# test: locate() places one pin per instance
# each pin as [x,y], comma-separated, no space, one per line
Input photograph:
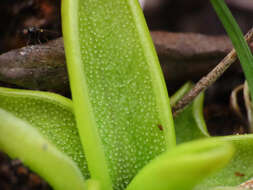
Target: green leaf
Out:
[92,184]
[190,123]
[239,169]
[119,94]
[180,93]
[183,167]
[51,115]
[242,49]
[21,140]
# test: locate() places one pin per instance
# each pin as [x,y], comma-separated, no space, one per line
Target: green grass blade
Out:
[236,36]
[119,94]
[21,140]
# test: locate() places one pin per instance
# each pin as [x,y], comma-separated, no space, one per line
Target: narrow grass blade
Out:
[242,49]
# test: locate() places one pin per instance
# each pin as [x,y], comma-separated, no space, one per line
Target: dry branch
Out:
[209,79]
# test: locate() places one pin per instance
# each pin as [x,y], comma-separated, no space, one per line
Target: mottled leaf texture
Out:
[119,94]
[51,115]
[23,141]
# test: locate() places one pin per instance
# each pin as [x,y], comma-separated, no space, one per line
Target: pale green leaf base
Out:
[52,115]
[21,140]
[183,167]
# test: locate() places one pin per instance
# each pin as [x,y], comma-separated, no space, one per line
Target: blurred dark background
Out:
[174,16]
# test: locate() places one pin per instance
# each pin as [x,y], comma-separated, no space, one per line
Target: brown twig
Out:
[210,78]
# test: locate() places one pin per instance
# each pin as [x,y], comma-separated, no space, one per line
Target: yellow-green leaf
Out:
[183,167]
[23,141]
[119,94]
[51,115]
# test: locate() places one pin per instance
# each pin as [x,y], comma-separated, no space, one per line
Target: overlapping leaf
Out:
[52,118]
[183,167]
[20,140]
[190,123]
[239,169]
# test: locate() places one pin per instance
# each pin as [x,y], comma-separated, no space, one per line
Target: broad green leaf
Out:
[239,169]
[51,115]
[119,94]
[183,167]
[21,140]
[242,49]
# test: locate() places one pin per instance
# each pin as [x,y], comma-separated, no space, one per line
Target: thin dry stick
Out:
[210,78]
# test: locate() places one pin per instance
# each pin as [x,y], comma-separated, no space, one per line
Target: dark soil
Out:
[15,176]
